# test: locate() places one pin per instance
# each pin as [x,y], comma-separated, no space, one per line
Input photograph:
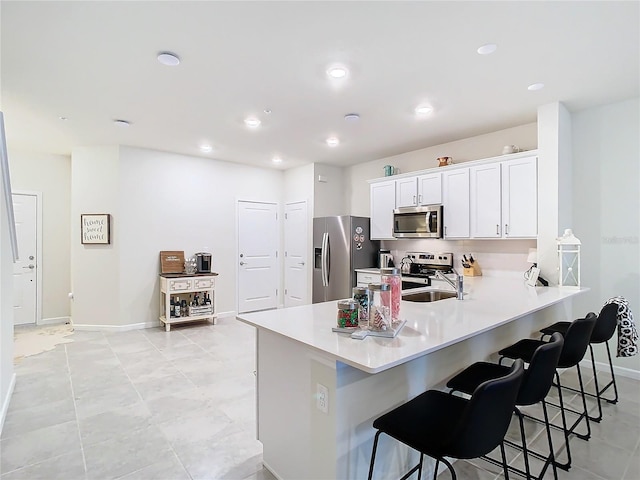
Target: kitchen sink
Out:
[429,296]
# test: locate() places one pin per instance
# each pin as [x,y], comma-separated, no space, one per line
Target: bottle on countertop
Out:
[172,313]
[207,299]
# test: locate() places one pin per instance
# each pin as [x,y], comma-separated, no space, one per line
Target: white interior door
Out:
[25,284]
[258,276]
[296,262]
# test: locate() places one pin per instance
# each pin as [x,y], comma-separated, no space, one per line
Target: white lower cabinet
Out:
[383,201]
[455,201]
[363,279]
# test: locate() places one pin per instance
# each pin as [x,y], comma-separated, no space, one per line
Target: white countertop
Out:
[373,270]
[488,303]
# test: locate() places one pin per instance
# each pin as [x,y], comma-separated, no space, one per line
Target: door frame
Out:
[38,196]
[280,259]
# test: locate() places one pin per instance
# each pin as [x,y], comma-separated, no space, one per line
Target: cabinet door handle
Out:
[414,199]
[497,229]
[419,198]
[506,229]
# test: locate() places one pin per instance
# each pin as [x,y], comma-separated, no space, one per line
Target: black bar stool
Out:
[438,424]
[536,383]
[603,331]
[576,340]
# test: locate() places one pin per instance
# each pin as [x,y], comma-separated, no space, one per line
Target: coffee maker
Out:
[203,262]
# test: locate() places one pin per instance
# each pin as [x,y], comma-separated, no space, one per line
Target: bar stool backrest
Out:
[576,340]
[485,420]
[606,324]
[538,377]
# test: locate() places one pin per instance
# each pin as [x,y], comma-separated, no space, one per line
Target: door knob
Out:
[30,267]
[301,263]
[242,263]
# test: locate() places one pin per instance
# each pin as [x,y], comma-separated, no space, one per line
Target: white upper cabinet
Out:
[383,199]
[420,190]
[503,199]
[520,198]
[430,189]
[486,201]
[406,192]
[455,201]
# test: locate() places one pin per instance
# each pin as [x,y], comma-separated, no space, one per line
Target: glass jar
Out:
[361,295]
[347,313]
[379,306]
[392,277]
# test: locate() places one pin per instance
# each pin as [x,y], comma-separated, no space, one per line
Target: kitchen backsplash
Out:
[495,257]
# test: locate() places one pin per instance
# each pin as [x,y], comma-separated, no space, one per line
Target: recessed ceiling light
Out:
[423,110]
[276,160]
[352,117]
[169,59]
[122,123]
[535,86]
[337,72]
[487,49]
[252,122]
[206,148]
[333,141]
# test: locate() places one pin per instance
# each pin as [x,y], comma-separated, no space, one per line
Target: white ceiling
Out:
[94,62]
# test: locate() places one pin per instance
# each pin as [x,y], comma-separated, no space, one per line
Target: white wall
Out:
[606,218]
[7,375]
[329,194]
[53,180]
[95,272]
[159,201]
[554,184]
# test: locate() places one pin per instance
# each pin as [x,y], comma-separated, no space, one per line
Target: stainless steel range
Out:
[423,268]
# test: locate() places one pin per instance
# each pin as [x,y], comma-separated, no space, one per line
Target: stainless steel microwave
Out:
[418,222]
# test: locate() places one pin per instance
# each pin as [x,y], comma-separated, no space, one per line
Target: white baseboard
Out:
[271,471]
[622,371]
[54,320]
[230,313]
[116,328]
[6,400]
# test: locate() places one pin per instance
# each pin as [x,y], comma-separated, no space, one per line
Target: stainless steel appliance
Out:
[385,259]
[423,268]
[203,262]
[418,222]
[340,245]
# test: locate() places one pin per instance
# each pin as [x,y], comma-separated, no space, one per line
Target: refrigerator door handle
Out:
[328,257]
[323,260]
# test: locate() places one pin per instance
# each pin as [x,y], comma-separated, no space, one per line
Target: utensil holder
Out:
[473,270]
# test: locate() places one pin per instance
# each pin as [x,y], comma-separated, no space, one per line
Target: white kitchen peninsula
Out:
[296,351]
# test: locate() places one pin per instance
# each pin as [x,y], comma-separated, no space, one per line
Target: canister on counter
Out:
[392,277]
[361,295]
[347,313]
[379,306]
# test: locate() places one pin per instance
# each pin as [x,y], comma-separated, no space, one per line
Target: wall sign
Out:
[95,228]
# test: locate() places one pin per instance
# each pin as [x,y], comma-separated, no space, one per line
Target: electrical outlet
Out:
[322,398]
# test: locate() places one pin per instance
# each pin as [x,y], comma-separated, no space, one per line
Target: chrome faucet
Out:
[457,286]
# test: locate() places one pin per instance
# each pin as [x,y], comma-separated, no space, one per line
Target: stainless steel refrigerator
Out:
[340,245]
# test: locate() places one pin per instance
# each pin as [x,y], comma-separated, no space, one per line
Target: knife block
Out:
[473,270]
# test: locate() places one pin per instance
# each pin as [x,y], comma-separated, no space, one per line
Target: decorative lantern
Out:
[569,260]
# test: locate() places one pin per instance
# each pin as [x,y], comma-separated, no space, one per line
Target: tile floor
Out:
[148,404]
